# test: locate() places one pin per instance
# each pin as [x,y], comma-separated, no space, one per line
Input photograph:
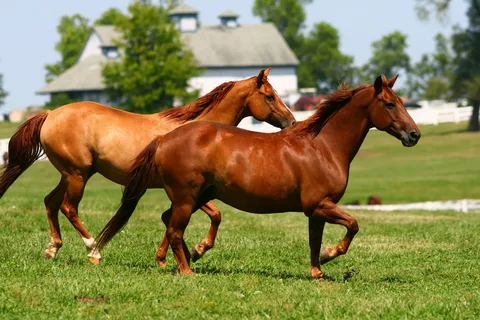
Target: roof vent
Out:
[228,19]
[185,18]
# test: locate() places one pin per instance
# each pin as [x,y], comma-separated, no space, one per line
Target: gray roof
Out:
[85,75]
[245,46]
[107,34]
[228,14]
[249,45]
[183,9]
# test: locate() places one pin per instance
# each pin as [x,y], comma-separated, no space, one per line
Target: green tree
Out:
[155,67]
[389,57]
[466,60]
[73,31]
[3,93]
[424,8]
[323,65]
[466,46]
[430,78]
[287,15]
[109,17]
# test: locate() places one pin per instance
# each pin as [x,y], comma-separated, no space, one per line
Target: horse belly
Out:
[259,202]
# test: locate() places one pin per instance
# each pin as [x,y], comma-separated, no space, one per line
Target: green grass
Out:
[401,265]
[444,165]
[7,129]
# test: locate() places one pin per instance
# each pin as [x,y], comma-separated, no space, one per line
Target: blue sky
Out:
[28,31]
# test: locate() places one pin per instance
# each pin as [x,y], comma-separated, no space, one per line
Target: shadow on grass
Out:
[204,269]
[214,270]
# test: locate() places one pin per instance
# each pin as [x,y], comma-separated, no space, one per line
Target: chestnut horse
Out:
[84,138]
[303,168]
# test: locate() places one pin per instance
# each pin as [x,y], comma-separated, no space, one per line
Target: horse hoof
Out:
[47,254]
[196,254]
[162,263]
[316,273]
[95,261]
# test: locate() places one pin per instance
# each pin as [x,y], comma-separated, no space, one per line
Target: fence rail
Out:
[465,205]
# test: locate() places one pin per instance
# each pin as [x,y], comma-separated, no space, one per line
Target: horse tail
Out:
[140,172]
[24,149]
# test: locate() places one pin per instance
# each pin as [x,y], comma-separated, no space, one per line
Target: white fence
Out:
[425,115]
[465,205]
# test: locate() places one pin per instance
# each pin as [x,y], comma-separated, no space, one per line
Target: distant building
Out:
[227,51]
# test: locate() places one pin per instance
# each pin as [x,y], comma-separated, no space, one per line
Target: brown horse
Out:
[303,168]
[83,138]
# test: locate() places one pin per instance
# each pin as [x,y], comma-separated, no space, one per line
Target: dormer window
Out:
[229,19]
[185,18]
[110,52]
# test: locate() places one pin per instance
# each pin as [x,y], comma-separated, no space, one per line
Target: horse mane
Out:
[193,110]
[326,110]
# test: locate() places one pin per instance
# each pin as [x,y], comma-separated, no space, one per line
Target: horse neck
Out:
[231,109]
[345,132]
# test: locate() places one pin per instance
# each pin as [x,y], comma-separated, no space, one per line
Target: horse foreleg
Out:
[215,217]
[315,234]
[331,213]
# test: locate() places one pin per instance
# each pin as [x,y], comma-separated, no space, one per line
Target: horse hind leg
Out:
[162,250]
[52,204]
[181,214]
[69,207]
[215,217]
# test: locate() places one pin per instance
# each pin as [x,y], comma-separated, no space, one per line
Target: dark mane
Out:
[328,107]
[196,108]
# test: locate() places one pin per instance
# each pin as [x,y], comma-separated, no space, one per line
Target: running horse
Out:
[303,168]
[84,138]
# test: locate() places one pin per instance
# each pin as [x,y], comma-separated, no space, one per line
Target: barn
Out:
[225,51]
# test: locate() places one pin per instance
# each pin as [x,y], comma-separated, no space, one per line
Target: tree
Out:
[109,17]
[73,31]
[466,61]
[3,93]
[425,7]
[466,45]
[389,57]
[323,65]
[287,15]
[430,78]
[473,94]
[156,66]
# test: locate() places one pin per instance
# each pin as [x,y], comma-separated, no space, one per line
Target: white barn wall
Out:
[92,47]
[283,79]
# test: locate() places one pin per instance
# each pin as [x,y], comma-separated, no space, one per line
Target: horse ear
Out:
[260,77]
[391,82]
[267,72]
[378,84]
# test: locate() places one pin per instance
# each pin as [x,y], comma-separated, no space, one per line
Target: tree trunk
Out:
[473,124]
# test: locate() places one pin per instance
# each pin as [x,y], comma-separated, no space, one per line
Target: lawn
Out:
[401,265]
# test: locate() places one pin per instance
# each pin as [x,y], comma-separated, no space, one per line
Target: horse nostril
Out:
[293,122]
[414,135]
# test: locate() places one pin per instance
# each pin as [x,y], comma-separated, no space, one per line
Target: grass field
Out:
[401,265]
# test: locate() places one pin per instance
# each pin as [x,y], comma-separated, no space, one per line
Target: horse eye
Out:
[389,105]
[270,97]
